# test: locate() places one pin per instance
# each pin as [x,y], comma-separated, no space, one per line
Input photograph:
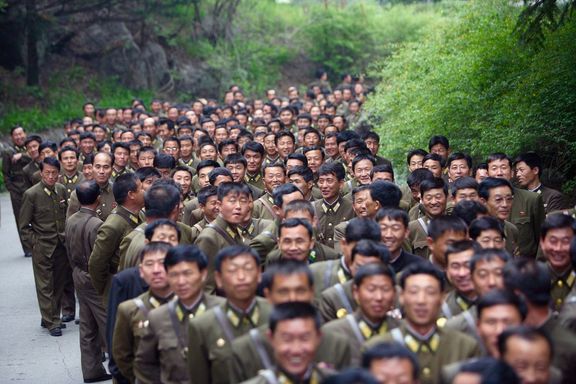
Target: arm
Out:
[26,215]
[123,341]
[198,362]
[73,205]
[102,253]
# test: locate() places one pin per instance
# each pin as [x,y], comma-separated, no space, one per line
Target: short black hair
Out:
[163,160]
[219,171]
[314,148]
[186,253]
[490,183]
[532,160]
[48,144]
[422,269]
[233,251]
[459,156]
[334,168]
[557,221]
[434,157]
[351,376]
[498,156]
[501,297]
[292,311]
[360,158]
[460,246]
[530,278]
[305,172]
[386,193]
[373,269]
[32,138]
[371,248]
[469,210]
[382,168]
[67,149]
[144,173]
[491,371]
[296,222]
[206,193]
[87,192]
[524,332]
[297,156]
[227,188]
[161,199]
[151,228]
[285,267]
[122,185]
[465,182]
[442,224]
[362,228]
[206,163]
[485,223]
[395,214]
[390,350]
[417,176]
[435,183]
[415,152]
[438,139]
[300,205]
[235,158]
[488,254]
[253,146]
[153,247]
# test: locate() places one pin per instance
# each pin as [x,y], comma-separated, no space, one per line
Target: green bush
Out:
[473,82]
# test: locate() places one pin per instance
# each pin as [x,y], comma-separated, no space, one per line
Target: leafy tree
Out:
[540,16]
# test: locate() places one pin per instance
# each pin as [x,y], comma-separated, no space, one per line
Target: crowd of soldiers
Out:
[266,241]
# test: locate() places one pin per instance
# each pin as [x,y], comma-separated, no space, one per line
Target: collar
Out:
[463,302]
[69,180]
[252,178]
[417,343]
[248,230]
[343,273]
[537,189]
[564,279]
[232,231]
[134,218]
[88,210]
[310,377]
[156,301]
[369,329]
[331,208]
[196,309]
[188,162]
[239,317]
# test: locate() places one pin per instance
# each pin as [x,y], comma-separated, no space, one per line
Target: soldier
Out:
[199,181]
[421,298]
[294,331]
[527,212]
[372,140]
[234,201]
[433,198]
[237,274]
[332,209]
[382,172]
[209,208]
[464,188]
[439,145]
[414,161]
[105,256]
[121,152]
[101,169]
[162,350]
[132,315]
[14,159]
[164,164]
[463,296]
[42,221]
[186,151]
[556,235]
[284,281]
[303,178]
[458,165]
[285,143]
[331,272]
[70,176]
[295,241]
[498,196]
[528,169]
[274,175]
[443,231]
[87,144]
[338,301]
[81,230]
[253,152]
[32,169]
[434,163]
[391,362]
[237,165]
[374,291]
[394,231]
[532,281]
[411,195]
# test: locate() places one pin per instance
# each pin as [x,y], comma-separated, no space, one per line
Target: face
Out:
[363,204]
[102,168]
[303,185]
[500,169]
[286,117]
[234,208]
[220,134]
[87,172]
[127,137]
[273,177]
[362,171]
[311,139]
[293,163]
[438,246]
[228,150]
[19,137]
[295,342]
[329,186]
[32,149]
[186,279]
[529,358]
[145,140]
[147,183]
[49,175]
[375,296]
[211,209]
[434,167]
[493,321]
[270,145]
[434,202]
[295,243]
[458,271]
[149,126]
[172,148]
[481,174]
[289,288]
[69,161]
[331,147]
[525,175]
[392,371]
[384,176]
[184,179]
[239,277]
[421,299]
[499,203]
[208,152]
[238,171]
[361,260]
[458,169]
[314,160]
[146,159]
[556,248]
[254,160]
[415,162]
[491,238]
[87,146]
[466,194]
[488,275]
[393,233]
[440,150]
[134,153]
[186,149]
[121,157]
[152,270]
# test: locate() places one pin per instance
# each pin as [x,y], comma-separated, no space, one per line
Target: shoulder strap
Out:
[222,233]
[423,224]
[397,336]
[469,319]
[328,275]
[175,323]
[446,310]
[198,227]
[267,205]
[354,325]
[343,298]
[262,354]
[140,304]
[269,375]
[224,323]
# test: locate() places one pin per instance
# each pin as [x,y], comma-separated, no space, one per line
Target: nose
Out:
[491,280]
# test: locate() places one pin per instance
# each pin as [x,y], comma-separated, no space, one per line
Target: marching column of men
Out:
[264,242]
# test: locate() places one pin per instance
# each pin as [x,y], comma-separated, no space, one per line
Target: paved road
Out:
[28,354]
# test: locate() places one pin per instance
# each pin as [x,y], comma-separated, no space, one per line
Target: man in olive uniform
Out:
[284,281]
[254,153]
[463,295]
[81,230]
[421,298]
[163,349]
[338,301]
[42,221]
[14,159]
[234,200]
[237,274]
[70,176]
[527,213]
[102,169]
[32,170]
[332,209]
[294,330]
[105,256]
[274,176]
[557,233]
[374,291]
[132,315]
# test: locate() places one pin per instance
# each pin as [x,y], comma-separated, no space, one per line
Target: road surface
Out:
[28,354]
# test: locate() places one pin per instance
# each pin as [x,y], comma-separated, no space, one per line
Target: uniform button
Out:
[329,224]
[426,371]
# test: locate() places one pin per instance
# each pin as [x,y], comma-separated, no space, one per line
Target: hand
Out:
[16,157]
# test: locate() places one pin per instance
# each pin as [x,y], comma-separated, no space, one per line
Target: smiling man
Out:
[274,175]
[458,256]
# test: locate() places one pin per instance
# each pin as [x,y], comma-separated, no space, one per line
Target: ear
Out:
[218,279]
[277,210]
[204,274]
[140,271]
[355,292]
[430,243]
[536,170]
